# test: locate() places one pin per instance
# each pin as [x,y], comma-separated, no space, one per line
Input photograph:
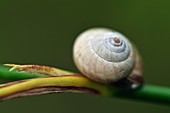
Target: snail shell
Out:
[107,56]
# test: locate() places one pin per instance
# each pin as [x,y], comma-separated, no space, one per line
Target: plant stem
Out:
[148,93]
[5,75]
[24,86]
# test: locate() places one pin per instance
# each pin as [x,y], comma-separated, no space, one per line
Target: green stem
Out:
[147,93]
[152,93]
[5,75]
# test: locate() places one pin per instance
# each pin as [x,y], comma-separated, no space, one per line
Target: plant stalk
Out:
[27,84]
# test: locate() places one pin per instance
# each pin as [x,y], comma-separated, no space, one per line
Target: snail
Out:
[107,56]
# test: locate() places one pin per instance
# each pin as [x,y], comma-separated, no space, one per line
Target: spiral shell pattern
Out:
[103,55]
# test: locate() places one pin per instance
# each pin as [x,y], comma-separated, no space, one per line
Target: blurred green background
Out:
[43,32]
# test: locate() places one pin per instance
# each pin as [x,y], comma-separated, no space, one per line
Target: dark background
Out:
[43,32]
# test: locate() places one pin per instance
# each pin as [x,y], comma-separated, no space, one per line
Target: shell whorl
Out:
[103,55]
[111,46]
